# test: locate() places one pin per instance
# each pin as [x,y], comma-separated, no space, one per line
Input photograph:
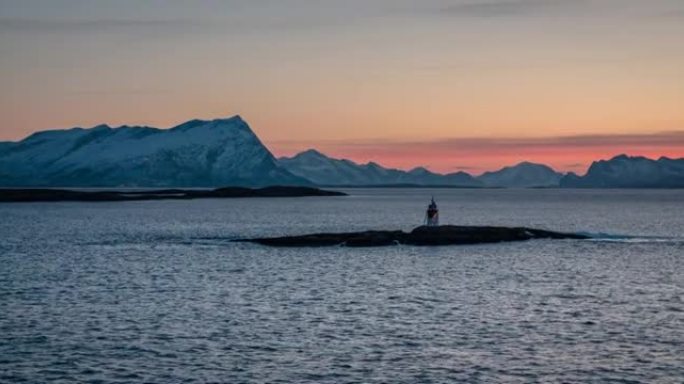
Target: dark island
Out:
[441,235]
[38,195]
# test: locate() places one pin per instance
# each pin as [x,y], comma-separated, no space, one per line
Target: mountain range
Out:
[324,170]
[197,153]
[522,175]
[629,172]
[226,152]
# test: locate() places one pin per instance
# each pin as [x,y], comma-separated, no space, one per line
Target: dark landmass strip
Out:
[407,186]
[38,195]
[442,235]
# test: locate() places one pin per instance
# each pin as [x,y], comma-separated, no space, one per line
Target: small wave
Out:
[618,238]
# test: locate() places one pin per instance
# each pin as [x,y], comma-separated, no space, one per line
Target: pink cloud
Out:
[565,153]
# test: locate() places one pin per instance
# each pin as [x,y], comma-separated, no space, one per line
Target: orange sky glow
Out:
[478,155]
[449,85]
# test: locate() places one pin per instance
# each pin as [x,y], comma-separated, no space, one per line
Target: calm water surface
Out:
[156,292]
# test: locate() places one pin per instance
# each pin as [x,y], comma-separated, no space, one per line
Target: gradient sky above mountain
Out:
[447,84]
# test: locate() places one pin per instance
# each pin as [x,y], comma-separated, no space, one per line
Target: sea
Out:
[158,292]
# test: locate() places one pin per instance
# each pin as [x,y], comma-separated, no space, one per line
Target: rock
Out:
[442,235]
[449,234]
[351,239]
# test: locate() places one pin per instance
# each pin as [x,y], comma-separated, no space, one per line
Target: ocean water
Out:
[157,292]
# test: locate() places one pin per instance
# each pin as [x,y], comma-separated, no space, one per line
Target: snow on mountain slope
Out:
[194,154]
[522,175]
[324,170]
[630,172]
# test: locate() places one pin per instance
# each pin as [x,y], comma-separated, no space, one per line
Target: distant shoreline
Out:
[418,186]
[24,195]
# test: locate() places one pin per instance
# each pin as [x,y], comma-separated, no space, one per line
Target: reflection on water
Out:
[155,291]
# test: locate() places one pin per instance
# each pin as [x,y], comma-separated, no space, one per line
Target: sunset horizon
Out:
[448,85]
[342,191]
[474,155]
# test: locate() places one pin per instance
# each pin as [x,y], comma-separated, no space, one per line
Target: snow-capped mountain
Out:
[324,170]
[522,175]
[194,154]
[630,172]
[225,152]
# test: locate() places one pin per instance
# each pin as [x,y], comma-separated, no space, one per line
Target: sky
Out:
[450,85]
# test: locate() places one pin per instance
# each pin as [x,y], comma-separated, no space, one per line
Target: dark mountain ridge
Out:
[625,171]
[226,152]
[324,170]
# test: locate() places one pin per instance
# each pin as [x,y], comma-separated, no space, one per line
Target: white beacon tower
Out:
[432,214]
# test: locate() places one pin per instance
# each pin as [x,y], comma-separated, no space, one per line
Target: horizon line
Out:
[565,153]
[480,173]
[473,155]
